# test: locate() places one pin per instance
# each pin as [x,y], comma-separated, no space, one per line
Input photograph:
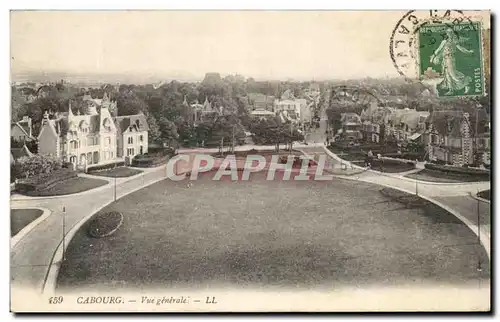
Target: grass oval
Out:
[105,224]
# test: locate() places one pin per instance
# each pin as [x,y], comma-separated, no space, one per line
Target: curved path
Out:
[32,257]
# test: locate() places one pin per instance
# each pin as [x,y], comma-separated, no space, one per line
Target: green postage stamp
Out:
[451,55]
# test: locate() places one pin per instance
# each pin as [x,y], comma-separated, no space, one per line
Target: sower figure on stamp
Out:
[454,80]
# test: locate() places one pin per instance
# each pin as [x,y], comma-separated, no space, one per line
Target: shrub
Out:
[37,164]
[13,173]
[44,181]
[406,155]
[105,224]
[483,173]
[148,162]
[67,165]
[105,166]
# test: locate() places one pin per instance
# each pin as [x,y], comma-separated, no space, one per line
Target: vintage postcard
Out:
[250,161]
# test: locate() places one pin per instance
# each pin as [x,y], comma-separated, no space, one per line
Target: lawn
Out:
[119,172]
[485,194]
[70,186]
[440,176]
[258,233]
[20,218]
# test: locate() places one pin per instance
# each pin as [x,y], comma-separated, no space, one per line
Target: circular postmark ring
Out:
[407,26]
[354,94]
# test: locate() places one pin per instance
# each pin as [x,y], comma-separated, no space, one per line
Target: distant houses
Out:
[447,136]
[451,138]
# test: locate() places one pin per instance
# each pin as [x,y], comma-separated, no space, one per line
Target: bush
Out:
[37,164]
[13,173]
[148,162]
[105,224]
[105,166]
[44,181]
[483,173]
[390,166]
[67,165]
[406,155]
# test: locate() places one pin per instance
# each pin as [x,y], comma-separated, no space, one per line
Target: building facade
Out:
[94,137]
[22,131]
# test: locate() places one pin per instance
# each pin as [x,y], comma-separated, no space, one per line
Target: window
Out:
[107,141]
[130,151]
[140,138]
[130,140]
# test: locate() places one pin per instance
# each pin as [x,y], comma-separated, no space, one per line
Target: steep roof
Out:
[24,127]
[260,101]
[287,95]
[412,119]
[17,153]
[138,121]
[448,122]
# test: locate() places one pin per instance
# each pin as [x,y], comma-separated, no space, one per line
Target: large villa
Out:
[94,137]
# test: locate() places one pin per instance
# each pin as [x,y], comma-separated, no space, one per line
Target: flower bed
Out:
[485,194]
[482,173]
[389,165]
[405,155]
[44,181]
[105,224]
[153,158]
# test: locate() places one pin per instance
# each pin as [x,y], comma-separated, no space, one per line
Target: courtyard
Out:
[285,234]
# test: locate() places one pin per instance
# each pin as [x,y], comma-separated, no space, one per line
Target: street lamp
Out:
[115,184]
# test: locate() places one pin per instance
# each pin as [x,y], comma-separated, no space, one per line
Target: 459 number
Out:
[56,299]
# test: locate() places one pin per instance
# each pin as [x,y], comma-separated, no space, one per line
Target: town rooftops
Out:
[260,101]
[414,118]
[25,127]
[261,112]
[447,122]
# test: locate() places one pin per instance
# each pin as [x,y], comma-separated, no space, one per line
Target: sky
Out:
[259,44]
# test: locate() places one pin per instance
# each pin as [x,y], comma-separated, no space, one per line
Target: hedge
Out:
[149,162]
[459,170]
[375,148]
[406,155]
[105,166]
[44,181]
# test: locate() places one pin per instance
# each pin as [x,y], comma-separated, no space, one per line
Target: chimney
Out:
[45,117]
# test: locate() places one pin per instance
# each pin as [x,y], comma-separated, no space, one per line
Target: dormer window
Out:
[84,126]
[107,124]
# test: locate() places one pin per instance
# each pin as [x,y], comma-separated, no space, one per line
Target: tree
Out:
[154,133]
[168,131]
[37,164]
